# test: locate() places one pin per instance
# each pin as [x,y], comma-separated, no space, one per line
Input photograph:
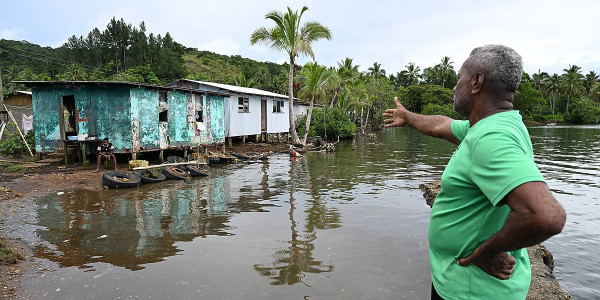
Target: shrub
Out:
[13,144]
[332,122]
[15,168]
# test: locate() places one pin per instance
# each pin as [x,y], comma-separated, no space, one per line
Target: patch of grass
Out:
[8,255]
[15,168]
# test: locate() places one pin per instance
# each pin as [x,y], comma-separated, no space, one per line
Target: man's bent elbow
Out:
[553,222]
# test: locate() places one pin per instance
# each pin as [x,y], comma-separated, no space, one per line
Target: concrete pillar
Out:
[223,148]
[257,138]
[185,152]
[279,137]
[161,156]
[243,139]
[133,156]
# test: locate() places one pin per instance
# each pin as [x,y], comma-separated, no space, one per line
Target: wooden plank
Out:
[18,129]
[169,164]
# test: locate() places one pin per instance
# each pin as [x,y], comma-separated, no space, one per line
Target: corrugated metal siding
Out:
[46,123]
[241,123]
[114,116]
[178,129]
[217,118]
[146,120]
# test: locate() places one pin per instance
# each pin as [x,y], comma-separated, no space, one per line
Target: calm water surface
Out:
[349,225]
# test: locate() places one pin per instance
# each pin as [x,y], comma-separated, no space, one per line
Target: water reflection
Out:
[290,263]
[130,228]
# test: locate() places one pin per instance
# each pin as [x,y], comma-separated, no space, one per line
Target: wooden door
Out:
[263,115]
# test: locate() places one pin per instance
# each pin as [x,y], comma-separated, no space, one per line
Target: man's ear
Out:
[477,83]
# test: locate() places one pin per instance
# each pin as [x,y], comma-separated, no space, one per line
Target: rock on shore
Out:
[544,285]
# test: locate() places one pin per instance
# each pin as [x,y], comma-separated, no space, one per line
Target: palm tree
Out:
[539,80]
[376,71]
[294,38]
[314,79]
[571,83]
[346,74]
[553,87]
[243,82]
[445,66]
[413,73]
[590,80]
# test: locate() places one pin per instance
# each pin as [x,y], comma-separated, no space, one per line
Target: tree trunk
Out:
[291,105]
[367,120]
[308,116]
[568,98]
[361,119]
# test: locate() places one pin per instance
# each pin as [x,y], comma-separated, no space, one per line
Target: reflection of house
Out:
[19,104]
[249,111]
[134,117]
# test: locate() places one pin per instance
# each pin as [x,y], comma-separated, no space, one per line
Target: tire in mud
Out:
[175,173]
[175,159]
[120,179]
[154,177]
[197,171]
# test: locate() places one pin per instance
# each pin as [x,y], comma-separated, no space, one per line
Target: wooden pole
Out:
[18,129]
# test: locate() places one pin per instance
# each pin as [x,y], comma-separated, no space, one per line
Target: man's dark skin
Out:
[535,214]
[107,155]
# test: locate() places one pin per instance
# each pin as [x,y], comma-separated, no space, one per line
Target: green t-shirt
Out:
[494,157]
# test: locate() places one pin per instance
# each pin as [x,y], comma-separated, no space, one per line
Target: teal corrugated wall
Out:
[217,118]
[178,129]
[144,108]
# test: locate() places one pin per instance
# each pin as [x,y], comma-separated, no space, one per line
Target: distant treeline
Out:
[123,52]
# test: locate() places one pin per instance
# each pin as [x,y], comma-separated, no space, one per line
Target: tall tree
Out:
[445,68]
[376,71]
[296,39]
[553,88]
[539,80]
[590,80]
[413,73]
[314,79]
[571,83]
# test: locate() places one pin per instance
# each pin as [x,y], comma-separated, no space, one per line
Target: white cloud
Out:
[11,33]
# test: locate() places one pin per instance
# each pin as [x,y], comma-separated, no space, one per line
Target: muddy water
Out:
[351,225]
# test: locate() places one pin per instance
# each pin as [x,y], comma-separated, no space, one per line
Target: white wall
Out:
[299,109]
[278,122]
[238,123]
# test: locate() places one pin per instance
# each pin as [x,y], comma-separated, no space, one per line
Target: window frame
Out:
[244,106]
[278,106]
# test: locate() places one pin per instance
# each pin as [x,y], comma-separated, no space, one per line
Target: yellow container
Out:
[137,163]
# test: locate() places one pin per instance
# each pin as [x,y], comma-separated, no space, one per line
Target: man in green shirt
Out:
[493,202]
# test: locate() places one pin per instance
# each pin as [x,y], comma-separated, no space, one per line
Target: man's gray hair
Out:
[498,62]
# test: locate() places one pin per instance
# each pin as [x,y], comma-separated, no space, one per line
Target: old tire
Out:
[213,160]
[197,171]
[120,179]
[175,173]
[157,176]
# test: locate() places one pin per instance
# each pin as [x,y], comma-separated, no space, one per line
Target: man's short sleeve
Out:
[500,163]
[460,128]
[98,148]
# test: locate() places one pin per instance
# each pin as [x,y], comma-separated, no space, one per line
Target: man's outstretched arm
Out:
[435,126]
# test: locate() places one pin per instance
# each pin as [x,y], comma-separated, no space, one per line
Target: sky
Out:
[549,35]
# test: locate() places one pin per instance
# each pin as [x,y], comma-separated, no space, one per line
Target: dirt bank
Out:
[544,285]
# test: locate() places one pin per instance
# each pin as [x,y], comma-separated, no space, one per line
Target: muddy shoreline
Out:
[544,285]
[20,189]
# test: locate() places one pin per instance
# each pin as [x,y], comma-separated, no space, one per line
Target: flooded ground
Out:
[349,225]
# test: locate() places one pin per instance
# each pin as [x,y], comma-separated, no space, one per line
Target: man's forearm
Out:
[435,126]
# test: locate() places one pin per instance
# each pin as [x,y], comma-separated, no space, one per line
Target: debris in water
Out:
[60,193]
[102,237]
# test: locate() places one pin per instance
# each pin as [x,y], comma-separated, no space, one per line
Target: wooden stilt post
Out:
[161,156]
[243,139]
[279,137]
[230,142]
[223,148]
[185,153]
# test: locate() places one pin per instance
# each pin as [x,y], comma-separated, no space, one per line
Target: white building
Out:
[250,111]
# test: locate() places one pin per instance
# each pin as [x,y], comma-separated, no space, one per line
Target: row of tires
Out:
[122,179]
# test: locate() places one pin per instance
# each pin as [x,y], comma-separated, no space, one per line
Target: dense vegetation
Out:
[128,53]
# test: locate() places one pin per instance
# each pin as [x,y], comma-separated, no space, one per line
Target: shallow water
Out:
[349,225]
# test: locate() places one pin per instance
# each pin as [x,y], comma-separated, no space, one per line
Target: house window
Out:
[277,106]
[243,105]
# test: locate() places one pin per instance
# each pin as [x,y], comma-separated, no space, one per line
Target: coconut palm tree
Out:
[553,87]
[413,73]
[590,80]
[314,79]
[571,83]
[242,81]
[346,74]
[445,67]
[296,39]
[539,80]
[376,71]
